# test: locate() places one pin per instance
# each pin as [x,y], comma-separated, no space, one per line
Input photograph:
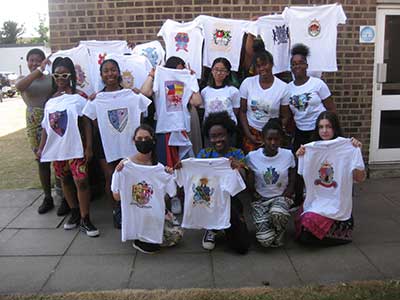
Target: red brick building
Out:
[369,111]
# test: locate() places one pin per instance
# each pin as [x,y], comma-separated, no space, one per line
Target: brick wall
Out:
[139,21]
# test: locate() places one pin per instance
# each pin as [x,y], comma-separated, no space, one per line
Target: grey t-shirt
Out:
[38,92]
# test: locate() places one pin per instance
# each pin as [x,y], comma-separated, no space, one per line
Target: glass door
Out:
[385,127]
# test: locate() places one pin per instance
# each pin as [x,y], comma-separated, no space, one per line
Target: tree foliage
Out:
[42,30]
[10,32]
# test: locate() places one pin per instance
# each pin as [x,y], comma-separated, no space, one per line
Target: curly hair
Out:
[273,123]
[219,118]
[300,49]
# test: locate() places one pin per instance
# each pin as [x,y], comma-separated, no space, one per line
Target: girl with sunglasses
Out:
[67,142]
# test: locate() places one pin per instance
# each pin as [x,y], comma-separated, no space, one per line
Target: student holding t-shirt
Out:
[309,96]
[329,166]
[272,181]
[62,143]
[116,113]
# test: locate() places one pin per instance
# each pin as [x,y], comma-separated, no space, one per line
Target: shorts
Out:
[77,167]
[34,117]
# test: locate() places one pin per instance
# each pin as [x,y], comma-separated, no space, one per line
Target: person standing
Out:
[35,90]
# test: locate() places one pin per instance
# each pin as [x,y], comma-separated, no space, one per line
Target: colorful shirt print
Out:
[280,34]
[127,80]
[118,118]
[182,40]
[326,176]
[210,152]
[174,94]
[202,192]
[271,176]
[141,194]
[222,37]
[260,109]
[300,101]
[58,121]
[151,54]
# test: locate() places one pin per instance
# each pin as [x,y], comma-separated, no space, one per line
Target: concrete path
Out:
[38,256]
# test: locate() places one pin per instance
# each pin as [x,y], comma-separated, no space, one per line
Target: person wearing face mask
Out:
[140,183]
[115,112]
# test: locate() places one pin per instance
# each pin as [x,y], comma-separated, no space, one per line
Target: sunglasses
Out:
[61,76]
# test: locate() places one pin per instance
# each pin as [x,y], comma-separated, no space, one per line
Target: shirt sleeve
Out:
[156,80]
[233,183]
[115,182]
[358,162]
[292,161]
[323,90]
[81,105]
[252,28]
[178,177]
[341,16]
[300,168]
[285,100]
[235,97]
[193,84]
[244,89]
[90,110]
[143,103]
[170,185]
[203,95]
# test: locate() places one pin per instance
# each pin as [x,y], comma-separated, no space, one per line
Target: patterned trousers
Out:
[270,218]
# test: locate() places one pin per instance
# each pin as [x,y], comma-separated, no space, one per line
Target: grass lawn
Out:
[371,290]
[18,168]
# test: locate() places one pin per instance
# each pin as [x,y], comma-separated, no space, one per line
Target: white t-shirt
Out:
[153,51]
[327,169]
[142,189]
[106,47]
[316,27]
[208,185]
[61,124]
[271,173]
[222,38]
[81,59]
[184,40]
[118,116]
[306,102]
[172,91]
[275,34]
[134,70]
[222,99]
[263,105]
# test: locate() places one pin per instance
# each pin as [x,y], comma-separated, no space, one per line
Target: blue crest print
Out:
[118,118]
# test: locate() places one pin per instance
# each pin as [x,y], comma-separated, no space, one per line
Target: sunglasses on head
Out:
[61,76]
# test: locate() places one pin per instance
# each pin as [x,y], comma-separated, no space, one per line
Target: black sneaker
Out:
[117,217]
[47,205]
[63,209]
[73,220]
[146,248]
[88,227]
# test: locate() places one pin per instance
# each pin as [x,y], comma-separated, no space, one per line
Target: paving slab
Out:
[6,234]
[25,274]
[331,265]
[374,186]
[18,198]
[393,197]
[30,218]
[90,273]
[375,205]
[109,242]
[171,270]
[257,268]
[7,214]
[375,231]
[385,257]
[191,242]
[38,242]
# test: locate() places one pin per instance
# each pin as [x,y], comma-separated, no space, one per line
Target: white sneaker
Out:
[176,206]
[209,240]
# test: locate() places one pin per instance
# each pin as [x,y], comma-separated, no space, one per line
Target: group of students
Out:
[142,162]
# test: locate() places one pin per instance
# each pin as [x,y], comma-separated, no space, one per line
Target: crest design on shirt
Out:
[202,192]
[174,94]
[127,80]
[300,102]
[314,28]
[118,118]
[217,105]
[141,194]
[80,76]
[182,41]
[280,34]
[222,37]
[59,121]
[326,176]
[100,58]
[271,176]
[260,110]
[151,54]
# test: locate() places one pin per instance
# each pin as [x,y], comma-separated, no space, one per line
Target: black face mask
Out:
[144,146]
